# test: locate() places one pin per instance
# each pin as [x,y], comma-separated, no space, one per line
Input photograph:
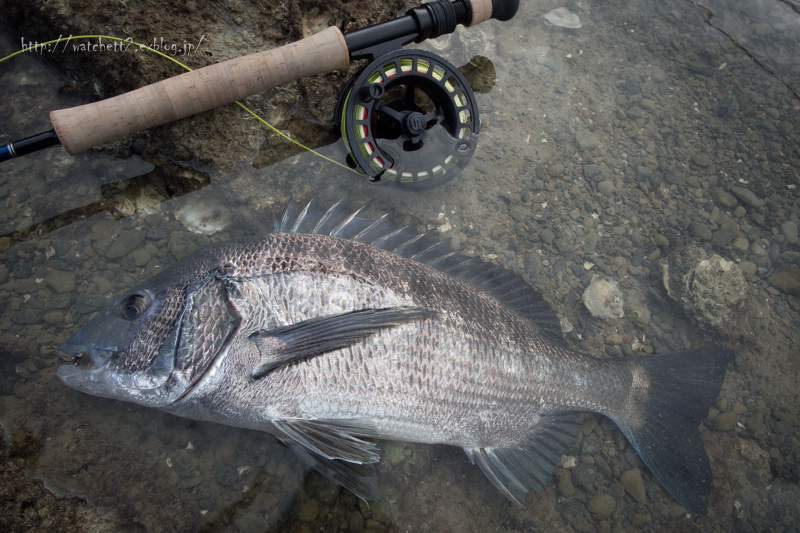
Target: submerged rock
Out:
[711,289]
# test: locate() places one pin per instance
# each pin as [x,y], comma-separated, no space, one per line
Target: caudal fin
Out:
[670,397]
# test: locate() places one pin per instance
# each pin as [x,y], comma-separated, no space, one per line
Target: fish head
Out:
[151,344]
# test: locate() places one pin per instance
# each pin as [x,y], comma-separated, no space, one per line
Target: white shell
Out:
[563,17]
[204,216]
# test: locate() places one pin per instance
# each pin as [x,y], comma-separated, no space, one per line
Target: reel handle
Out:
[82,127]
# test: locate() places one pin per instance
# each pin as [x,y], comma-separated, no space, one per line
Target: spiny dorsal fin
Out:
[507,287]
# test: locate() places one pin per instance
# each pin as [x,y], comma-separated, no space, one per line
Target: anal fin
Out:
[528,466]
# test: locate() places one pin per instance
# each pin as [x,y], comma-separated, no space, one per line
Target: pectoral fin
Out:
[289,344]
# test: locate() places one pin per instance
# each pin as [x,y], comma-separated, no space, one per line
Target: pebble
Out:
[141,257]
[725,421]
[676,178]
[156,234]
[518,213]
[786,279]
[227,476]
[547,235]
[181,244]
[587,140]
[590,244]
[356,522]
[89,303]
[643,173]
[583,477]
[61,282]
[264,501]
[701,160]
[225,453]
[22,270]
[605,187]
[562,245]
[747,196]
[741,244]
[724,235]
[26,286]
[3,274]
[789,230]
[564,482]
[61,247]
[124,244]
[54,317]
[102,285]
[25,317]
[748,268]
[755,422]
[701,231]
[309,511]
[633,485]
[698,67]
[634,112]
[556,170]
[785,128]
[723,198]
[601,505]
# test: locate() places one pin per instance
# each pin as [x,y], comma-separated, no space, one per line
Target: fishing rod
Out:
[441,139]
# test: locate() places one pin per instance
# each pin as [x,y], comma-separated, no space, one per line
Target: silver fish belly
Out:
[336,330]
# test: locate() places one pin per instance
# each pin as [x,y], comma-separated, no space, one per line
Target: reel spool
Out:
[409,119]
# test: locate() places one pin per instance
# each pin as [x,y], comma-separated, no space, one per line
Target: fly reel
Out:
[409,119]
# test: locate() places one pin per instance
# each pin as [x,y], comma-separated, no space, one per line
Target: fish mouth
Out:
[87,372]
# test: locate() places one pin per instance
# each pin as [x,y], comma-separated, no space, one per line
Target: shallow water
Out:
[603,146]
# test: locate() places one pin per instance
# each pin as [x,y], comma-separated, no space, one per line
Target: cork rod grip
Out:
[481,11]
[89,125]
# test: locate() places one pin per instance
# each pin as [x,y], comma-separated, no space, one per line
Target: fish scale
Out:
[327,341]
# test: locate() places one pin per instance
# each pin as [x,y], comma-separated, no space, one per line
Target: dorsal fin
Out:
[426,248]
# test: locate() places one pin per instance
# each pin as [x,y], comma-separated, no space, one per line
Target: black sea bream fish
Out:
[335,330]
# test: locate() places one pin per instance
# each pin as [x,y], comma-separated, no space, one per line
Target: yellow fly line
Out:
[145,47]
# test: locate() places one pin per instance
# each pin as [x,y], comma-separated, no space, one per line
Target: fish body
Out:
[336,330]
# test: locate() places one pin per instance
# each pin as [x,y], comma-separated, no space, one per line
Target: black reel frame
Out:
[409,119]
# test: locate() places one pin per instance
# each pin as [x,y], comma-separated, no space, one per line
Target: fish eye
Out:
[134,306]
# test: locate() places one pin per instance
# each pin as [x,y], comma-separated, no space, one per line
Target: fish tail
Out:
[669,398]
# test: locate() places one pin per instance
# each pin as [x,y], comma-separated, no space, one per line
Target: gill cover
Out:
[208,324]
[152,353]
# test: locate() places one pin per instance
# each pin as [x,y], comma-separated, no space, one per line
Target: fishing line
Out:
[145,47]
